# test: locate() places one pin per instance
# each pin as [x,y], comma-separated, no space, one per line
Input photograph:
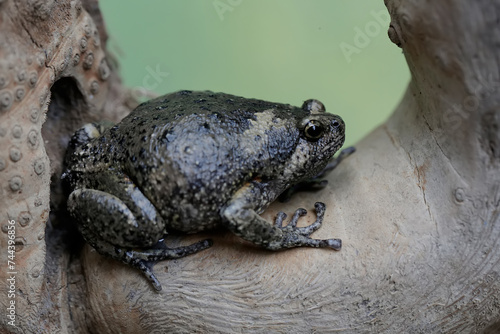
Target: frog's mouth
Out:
[333,147]
[330,150]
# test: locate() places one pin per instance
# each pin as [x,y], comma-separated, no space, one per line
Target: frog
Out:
[193,161]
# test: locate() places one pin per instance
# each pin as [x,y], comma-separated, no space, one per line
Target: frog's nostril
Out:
[335,124]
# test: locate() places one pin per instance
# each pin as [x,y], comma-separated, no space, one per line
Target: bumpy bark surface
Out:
[417,206]
[55,76]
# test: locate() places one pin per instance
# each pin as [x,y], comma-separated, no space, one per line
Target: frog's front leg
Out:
[242,218]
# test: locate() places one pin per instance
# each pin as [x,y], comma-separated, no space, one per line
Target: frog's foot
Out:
[316,183]
[144,260]
[294,236]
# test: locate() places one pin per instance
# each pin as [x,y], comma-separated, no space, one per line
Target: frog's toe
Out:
[335,244]
[280,217]
[144,260]
[165,253]
[304,231]
[294,236]
[298,213]
[147,269]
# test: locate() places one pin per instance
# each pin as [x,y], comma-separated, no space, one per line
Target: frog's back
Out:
[190,151]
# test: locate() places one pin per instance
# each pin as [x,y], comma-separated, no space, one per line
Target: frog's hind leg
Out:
[122,230]
[144,260]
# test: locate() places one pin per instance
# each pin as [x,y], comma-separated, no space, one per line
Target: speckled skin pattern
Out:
[193,161]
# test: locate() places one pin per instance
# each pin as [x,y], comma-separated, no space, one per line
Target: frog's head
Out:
[321,135]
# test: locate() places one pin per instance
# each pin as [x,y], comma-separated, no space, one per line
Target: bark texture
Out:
[55,76]
[417,206]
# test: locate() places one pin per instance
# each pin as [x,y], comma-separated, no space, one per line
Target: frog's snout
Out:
[337,124]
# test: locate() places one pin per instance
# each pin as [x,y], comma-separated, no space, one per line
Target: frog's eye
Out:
[314,130]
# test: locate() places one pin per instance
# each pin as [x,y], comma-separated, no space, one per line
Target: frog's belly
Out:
[192,217]
[190,203]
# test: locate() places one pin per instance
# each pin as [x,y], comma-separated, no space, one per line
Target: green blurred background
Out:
[278,50]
